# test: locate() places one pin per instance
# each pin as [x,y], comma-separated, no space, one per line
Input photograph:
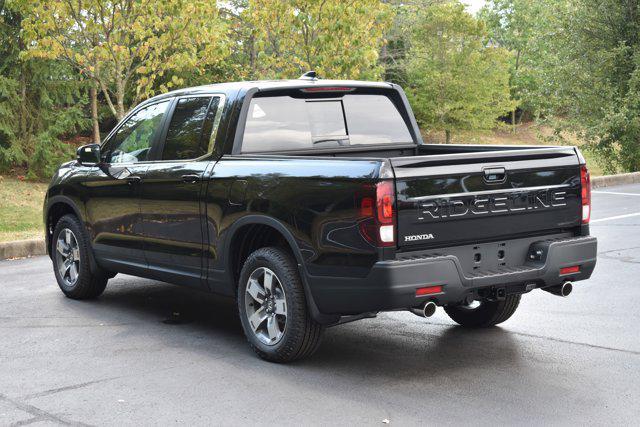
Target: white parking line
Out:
[615,217]
[615,193]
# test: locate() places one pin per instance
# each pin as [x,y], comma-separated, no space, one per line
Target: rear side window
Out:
[190,132]
[280,123]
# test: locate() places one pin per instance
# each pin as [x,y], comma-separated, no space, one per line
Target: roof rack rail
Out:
[309,75]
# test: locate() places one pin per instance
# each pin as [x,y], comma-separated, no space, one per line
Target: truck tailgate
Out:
[451,199]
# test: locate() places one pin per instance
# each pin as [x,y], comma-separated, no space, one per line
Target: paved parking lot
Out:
[150,353]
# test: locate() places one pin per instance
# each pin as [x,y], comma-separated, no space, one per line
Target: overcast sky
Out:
[474,5]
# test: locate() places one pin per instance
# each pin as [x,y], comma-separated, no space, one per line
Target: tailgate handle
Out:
[495,175]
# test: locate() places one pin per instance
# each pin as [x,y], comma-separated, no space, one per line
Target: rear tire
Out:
[488,313]
[273,308]
[70,252]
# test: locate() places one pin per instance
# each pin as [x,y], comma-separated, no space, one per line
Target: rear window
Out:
[281,123]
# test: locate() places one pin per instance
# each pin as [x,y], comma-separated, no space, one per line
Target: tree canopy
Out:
[579,68]
[455,78]
[70,69]
[39,100]
[125,43]
[335,38]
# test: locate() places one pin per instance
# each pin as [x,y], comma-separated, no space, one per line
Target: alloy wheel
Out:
[266,306]
[68,257]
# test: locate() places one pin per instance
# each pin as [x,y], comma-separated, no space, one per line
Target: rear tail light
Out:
[367,205]
[378,214]
[570,270]
[585,184]
[430,290]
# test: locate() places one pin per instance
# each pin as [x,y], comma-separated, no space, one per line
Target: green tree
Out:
[338,39]
[606,61]
[456,80]
[520,26]
[127,46]
[593,77]
[398,37]
[41,101]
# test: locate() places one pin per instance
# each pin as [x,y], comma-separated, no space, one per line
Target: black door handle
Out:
[134,179]
[191,178]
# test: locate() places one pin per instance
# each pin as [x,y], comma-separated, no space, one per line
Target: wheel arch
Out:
[255,231]
[238,234]
[57,207]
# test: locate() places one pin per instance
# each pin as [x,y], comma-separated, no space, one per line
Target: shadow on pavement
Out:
[416,350]
[385,346]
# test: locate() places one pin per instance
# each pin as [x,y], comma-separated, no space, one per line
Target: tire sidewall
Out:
[72,224]
[489,313]
[291,284]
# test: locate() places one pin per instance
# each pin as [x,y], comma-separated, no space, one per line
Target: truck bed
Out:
[455,194]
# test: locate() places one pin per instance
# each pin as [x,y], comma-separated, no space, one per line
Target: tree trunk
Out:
[513,113]
[119,99]
[447,134]
[23,94]
[93,94]
[23,104]
[252,56]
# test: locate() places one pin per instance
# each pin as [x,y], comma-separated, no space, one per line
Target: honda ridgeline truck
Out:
[314,203]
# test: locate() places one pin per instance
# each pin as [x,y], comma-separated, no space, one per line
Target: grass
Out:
[526,134]
[21,209]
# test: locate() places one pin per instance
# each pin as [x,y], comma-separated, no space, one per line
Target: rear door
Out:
[171,205]
[453,199]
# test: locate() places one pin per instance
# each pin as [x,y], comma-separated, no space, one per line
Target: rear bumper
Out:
[392,285]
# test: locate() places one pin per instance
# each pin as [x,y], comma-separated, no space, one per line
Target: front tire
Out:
[485,314]
[273,308]
[70,253]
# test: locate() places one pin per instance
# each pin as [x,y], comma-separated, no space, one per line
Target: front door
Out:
[114,190]
[172,211]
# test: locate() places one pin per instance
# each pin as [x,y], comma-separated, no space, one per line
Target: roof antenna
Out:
[309,75]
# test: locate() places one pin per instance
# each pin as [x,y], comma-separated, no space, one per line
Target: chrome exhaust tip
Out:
[563,290]
[566,289]
[427,309]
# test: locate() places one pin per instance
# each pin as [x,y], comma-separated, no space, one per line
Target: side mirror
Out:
[89,155]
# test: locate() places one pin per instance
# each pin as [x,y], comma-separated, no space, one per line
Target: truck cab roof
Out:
[265,85]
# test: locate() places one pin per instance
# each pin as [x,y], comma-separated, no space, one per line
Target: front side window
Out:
[280,123]
[190,130]
[132,142]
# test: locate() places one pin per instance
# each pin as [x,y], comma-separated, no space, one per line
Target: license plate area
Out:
[486,257]
[491,256]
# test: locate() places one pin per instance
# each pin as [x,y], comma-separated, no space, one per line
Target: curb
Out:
[22,248]
[611,180]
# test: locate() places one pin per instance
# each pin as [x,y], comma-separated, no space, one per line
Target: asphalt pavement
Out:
[148,353]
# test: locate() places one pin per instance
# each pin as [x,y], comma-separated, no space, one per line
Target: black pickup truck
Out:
[314,203]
